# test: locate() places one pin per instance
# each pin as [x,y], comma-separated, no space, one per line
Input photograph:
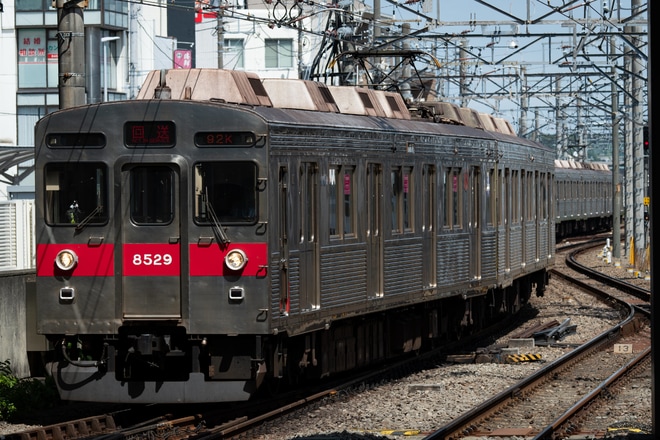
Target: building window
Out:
[279,53]
[233,54]
[37,58]
[30,5]
[111,62]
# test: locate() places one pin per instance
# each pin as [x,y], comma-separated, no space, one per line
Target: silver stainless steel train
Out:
[223,230]
[584,194]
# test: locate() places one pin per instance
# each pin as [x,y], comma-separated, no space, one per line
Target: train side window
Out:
[506,192]
[524,195]
[515,197]
[534,212]
[226,190]
[395,200]
[543,202]
[76,193]
[152,195]
[408,191]
[349,200]
[453,215]
[401,199]
[341,200]
[333,204]
[491,189]
[529,198]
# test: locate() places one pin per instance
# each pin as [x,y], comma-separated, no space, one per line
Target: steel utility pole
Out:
[71,52]
[616,186]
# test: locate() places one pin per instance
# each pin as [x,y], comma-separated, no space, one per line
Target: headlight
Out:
[66,259]
[236,259]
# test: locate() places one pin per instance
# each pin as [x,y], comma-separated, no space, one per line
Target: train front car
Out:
[235,231]
[151,254]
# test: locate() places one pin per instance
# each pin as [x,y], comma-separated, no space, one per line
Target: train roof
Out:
[240,87]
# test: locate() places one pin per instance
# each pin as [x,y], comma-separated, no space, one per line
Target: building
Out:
[274,40]
[129,38]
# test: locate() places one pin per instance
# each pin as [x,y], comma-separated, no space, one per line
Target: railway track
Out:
[585,379]
[562,398]
[237,420]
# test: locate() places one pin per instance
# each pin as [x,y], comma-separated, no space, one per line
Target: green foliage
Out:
[20,397]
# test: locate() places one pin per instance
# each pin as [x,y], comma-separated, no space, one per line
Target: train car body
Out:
[583,198]
[195,244]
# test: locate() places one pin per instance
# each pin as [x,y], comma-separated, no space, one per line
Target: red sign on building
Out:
[182,59]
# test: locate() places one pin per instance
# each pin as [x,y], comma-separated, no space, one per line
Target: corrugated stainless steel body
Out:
[583,199]
[304,273]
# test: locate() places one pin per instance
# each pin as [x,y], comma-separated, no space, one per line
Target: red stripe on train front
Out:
[209,259]
[93,260]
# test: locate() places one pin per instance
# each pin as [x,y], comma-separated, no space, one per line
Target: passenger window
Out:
[152,195]
[543,196]
[341,198]
[453,214]
[225,192]
[402,200]
[503,218]
[515,197]
[76,193]
[490,197]
[408,191]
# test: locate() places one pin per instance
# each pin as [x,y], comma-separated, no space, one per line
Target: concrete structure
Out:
[15,339]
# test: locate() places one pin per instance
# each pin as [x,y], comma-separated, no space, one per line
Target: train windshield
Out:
[226,189]
[76,194]
[152,195]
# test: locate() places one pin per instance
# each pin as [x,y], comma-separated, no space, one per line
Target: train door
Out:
[475,223]
[374,230]
[524,202]
[429,233]
[285,299]
[151,253]
[507,200]
[310,289]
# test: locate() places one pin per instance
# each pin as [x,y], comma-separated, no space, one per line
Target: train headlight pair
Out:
[66,259]
[236,259]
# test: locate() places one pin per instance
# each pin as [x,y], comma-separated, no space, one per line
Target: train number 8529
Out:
[152,259]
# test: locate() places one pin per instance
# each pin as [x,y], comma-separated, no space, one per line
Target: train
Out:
[584,198]
[224,234]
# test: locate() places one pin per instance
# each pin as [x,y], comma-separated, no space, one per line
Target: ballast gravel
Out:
[422,403]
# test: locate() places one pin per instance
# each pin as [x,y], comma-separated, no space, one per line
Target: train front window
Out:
[152,195]
[227,189]
[76,194]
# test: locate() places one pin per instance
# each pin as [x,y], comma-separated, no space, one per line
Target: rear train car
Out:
[214,234]
[583,198]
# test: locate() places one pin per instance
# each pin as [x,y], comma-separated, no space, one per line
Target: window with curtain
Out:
[279,53]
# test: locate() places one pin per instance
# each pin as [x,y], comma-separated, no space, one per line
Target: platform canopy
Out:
[11,157]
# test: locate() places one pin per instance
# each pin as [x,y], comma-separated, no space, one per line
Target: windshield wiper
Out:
[86,220]
[217,227]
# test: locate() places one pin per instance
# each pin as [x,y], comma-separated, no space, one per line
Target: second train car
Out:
[224,230]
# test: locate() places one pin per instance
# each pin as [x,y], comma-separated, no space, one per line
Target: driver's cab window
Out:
[225,192]
[75,193]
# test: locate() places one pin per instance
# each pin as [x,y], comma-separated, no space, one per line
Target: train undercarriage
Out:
[161,363]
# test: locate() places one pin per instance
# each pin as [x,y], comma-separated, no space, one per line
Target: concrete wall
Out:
[17,321]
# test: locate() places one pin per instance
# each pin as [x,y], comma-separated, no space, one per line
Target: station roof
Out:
[13,156]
